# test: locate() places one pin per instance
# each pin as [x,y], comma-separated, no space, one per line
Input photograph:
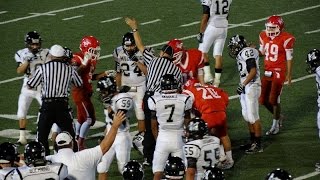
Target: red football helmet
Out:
[274,26]
[178,50]
[91,45]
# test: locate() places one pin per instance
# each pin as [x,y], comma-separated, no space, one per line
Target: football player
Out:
[279,174]
[85,61]
[174,169]
[28,60]
[213,31]
[200,150]
[313,62]
[9,157]
[189,61]
[115,101]
[249,89]
[210,104]
[170,110]
[133,170]
[37,166]
[213,173]
[276,46]
[131,72]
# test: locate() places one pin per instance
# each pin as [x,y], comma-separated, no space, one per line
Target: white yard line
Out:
[150,22]
[54,11]
[2,12]
[314,31]
[73,17]
[109,20]
[315,173]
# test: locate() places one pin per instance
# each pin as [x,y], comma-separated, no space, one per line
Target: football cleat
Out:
[208,78]
[273,131]
[245,146]
[227,164]
[254,149]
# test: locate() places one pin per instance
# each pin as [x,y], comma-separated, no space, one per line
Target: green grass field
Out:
[296,148]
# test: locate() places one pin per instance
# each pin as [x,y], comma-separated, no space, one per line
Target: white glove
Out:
[85,59]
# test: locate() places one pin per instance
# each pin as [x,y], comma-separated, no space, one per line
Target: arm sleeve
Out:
[251,63]
[36,79]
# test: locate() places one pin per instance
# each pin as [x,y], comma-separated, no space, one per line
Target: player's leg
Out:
[274,100]
[217,54]
[204,47]
[123,150]
[23,107]
[159,160]
[105,163]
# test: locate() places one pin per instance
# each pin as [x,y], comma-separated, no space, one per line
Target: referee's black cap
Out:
[168,50]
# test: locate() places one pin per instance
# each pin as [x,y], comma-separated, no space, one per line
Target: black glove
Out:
[241,89]
[200,37]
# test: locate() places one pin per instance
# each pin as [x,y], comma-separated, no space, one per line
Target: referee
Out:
[156,68]
[55,76]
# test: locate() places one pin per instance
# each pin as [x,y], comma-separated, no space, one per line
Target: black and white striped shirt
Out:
[157,67]
[56,78]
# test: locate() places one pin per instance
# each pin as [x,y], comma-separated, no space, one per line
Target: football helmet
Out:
[129,44]
[137,142]
[34,153]
[68,54]
[213,173]
[169,84]
[91,45]
[313,60]
[133,170]
[196,129]
[174,168]
[274,26]
[106,86]
[33,41]
[8,153]
[279,174]
[236,44]
[178,50]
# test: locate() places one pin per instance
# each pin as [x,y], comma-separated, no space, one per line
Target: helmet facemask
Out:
[94,52]
[272,30]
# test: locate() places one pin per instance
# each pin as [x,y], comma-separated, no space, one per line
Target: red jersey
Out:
[86,73]
[191,65]
[274,51]
[207,99]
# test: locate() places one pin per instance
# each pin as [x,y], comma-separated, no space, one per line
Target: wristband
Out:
[134,30]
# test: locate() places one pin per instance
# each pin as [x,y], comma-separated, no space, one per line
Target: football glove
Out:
[241,89]
[86,59]
[200,37]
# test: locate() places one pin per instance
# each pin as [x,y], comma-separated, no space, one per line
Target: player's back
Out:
[54,171]
[206,151]
[170,110]
[219,11]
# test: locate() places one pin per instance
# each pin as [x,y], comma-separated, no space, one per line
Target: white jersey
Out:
[243,56]
[81,165]
[219,11]
[24,55]
[6,173]
[170,110]
[131,74]
[121,101]
[121,146]
[318,89]
[206,151]
[54,171]
[249,101]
